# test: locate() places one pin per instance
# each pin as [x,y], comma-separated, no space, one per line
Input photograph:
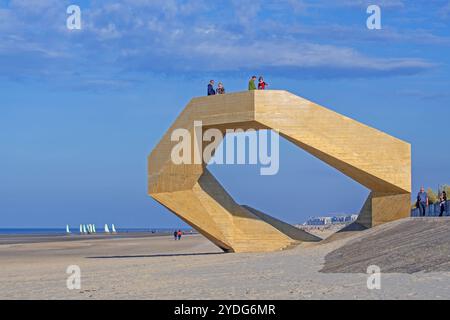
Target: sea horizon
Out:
[62,230]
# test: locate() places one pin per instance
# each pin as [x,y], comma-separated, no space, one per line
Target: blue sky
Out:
[81,109]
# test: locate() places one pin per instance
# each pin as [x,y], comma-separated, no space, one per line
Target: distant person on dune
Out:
[444,195]
[443,203]
[261,84]
[179,233]
[211,90]
[251,83]
[220,88]
[422,201]
[441,206]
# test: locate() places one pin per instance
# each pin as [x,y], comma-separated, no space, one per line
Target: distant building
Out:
[319,221]
[338,219]
[344,218]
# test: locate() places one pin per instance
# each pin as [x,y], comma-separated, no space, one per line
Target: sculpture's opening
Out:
[303,186]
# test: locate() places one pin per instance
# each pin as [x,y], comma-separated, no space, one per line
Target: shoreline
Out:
[6,239]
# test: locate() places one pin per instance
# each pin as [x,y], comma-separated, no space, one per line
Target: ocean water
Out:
[61,231]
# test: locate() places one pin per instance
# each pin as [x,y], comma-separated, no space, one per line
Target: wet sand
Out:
[36,238]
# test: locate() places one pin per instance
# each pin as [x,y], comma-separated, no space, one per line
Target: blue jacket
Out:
[211,90]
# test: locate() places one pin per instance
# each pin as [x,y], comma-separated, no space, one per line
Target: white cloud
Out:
[298,56]
[445,11]
[366,3]
[197,36]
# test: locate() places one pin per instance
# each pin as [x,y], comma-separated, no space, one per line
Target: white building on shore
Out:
[324,221]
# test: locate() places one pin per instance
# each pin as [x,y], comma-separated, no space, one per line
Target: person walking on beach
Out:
[261,84]
[251,83]
[179,233]
[220,88]
[422,201]
[175,235]
[211,90]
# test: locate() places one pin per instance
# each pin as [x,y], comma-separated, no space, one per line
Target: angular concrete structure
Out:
[375,159]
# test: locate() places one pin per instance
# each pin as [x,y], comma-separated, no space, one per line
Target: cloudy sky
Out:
[80,109]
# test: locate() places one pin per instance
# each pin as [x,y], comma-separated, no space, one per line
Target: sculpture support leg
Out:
[381,207]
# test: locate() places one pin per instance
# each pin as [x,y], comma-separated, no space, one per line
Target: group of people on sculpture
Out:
[251,86]
[423,202]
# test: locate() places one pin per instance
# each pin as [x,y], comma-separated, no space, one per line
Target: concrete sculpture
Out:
[375,159]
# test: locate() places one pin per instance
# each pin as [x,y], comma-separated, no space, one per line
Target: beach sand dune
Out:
[404,246]
[193,268]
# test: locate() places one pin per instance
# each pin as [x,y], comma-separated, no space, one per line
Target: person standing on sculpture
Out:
[211,90]
[422,199]
[175,235]
[251,84]
[179,233]
[261,84]
[220,88]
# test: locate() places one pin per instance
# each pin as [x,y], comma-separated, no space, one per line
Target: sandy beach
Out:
[160,268]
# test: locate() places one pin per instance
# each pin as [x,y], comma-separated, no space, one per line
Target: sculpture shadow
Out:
[157,255]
